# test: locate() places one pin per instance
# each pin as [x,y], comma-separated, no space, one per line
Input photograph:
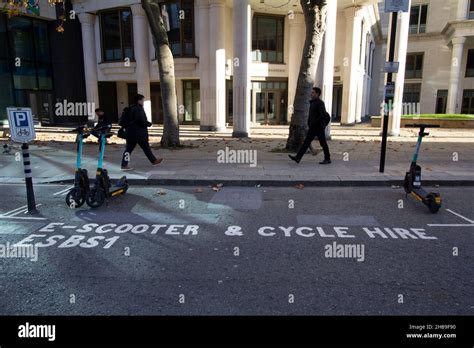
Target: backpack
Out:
[327,119]
[126,118]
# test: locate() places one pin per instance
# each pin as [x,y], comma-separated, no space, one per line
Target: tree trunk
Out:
[315,19]
[165,60]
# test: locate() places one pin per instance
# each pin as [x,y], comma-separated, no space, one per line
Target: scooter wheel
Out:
[95,198]
[433,206]
[75,198]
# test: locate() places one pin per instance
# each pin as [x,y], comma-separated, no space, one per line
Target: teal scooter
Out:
[76,197]
[412,184]
[102,188]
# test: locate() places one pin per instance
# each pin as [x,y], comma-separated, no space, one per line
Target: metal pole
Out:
[30,194]
[388,99]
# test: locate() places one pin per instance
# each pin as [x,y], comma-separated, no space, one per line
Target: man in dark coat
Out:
[317,128]
[137,134]
[103,120]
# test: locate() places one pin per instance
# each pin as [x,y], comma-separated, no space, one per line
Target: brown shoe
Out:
[157,162]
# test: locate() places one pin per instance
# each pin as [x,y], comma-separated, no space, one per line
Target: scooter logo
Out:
[75,109]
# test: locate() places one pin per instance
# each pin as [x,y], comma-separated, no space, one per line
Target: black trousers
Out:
[312,133]
[131,144]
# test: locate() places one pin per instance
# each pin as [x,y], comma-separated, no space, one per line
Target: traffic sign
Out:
[390,90]
[397,6]
[391,67]
[22,128]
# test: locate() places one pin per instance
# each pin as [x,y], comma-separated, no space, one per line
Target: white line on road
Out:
[22,218]
[63,192]
[14,210]
[462,217]
[451,225]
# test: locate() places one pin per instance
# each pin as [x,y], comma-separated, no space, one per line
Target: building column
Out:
[329,54]
[455,77]
[462,10]
[142,58]
[361,77]
[204,63]
[90,65]
[242,65]
[296,45]
[217,66]
[401,47]
[351,64]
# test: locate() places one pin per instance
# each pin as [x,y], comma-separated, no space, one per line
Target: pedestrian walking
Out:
[318,119]
[136,124]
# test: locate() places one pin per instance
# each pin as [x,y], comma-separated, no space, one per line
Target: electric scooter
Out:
[412,184]
[102,188]
[76,197]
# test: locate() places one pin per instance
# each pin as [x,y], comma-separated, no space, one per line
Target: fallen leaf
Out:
[299,186]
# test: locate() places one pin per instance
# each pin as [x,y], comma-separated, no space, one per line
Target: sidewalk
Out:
[447,158]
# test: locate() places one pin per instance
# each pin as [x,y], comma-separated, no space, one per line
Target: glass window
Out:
[471,10]
[24,76]
[468,102]
[412,92]
[178,16]
[117,35]
[470,63]
[414,66]
[45,76]
[441,101]
[6,96]
[41,41]
[4,50]
[21,38]
[418,18]
[267,38]
[192,101]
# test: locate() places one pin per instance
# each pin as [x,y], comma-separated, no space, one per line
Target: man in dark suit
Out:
[137,134]
[317,127]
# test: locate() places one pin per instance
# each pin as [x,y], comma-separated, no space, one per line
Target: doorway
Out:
[337,103]
[269,102]
[41,104]
[108,99]
[156,104]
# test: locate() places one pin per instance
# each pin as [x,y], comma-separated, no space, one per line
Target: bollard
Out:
[30,194]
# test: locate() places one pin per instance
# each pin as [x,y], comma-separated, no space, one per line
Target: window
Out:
[468,102]
[192,101]
[178,16]
[29,44]
[471,10]
[267,38]
[411,93]
[414,66]
[470,63]
[418,15]
[117,35]
[441,101]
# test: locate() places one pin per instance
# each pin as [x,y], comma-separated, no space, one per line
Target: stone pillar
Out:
[329,53]
[90,65]
[455,77]
[351,64]
[361,77]
[142,58]
[462,10]
[217,65]
[204,63]
[401,46]
[296,45]
[242,35]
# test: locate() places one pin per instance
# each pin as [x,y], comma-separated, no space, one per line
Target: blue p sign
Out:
[21,119]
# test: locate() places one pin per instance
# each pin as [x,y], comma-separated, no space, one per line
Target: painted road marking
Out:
[455,225]
[462,217]
[24,209]
[63,192]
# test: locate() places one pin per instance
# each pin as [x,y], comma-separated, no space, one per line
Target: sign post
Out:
[22,130]
[390,67]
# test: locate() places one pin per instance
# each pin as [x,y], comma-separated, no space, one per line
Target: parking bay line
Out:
[455,225]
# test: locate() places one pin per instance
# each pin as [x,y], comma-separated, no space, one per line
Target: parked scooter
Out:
[76,197]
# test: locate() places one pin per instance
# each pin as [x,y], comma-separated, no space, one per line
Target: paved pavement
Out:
[240,251]
[446,158]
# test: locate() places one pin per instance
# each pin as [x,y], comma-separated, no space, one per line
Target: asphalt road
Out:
[239,251]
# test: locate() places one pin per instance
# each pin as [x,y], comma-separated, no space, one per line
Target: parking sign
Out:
[397,6]
[22,128]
